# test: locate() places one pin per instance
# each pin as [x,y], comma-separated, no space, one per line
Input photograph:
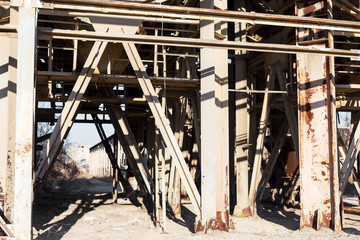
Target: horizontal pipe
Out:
[256,91]
[196,43]
[153,10]
[45,76]
[100,13]
[348,86]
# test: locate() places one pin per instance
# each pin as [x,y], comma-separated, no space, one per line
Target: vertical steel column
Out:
[222,127]
[208,112]
[4,79]
[242,208]
[25,107]
[214,128]
[11,96]
[317,126]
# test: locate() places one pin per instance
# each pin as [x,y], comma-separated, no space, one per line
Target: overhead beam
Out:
[109,79]
[155,10]
[196,43]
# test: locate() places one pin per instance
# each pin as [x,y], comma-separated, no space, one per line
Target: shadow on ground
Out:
[279,215]
[84,195]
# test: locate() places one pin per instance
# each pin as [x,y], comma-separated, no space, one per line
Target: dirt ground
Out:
[83,209]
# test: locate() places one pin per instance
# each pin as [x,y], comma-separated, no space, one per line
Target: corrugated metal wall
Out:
[100,165]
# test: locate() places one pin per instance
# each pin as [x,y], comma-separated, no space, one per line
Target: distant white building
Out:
[100,165]
[81,156]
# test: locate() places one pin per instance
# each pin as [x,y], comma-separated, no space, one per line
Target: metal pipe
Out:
[196,43]
[256,91]
[100,13]
[152,10]
[348,86]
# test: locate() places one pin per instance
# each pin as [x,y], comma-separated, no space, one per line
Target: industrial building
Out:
[218,95]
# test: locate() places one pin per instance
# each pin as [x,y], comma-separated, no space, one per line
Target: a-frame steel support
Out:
[163,124]
[68,113]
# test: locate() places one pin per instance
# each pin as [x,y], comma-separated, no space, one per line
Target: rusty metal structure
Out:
[215,91]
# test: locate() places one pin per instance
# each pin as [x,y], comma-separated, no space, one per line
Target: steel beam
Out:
[174,197]
[128,142]
[351,156]
[25,120]
[289,109]
[110,79]
[275,151]
[319,191]
[113,159]
[242,208]
[68,113]
[4,105]
[197,43]
[11,95]
[256,170]
[5,228]
[163,124]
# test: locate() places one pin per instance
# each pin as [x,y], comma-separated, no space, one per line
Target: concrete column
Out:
[25,107]
[317,127]
[214,127]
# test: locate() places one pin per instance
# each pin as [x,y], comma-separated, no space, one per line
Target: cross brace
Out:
[163,124]
[68,113]
[110,153]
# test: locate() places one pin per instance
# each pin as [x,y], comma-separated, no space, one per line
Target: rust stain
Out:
[315,179]
[177,210]
[323,173]
[199,227]
[308,220]
[221,222]
[244,212]
[326,220]
[27,148]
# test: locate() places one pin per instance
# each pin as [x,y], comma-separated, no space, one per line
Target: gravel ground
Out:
[83,209]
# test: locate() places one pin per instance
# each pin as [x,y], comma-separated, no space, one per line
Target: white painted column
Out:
[25,106]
